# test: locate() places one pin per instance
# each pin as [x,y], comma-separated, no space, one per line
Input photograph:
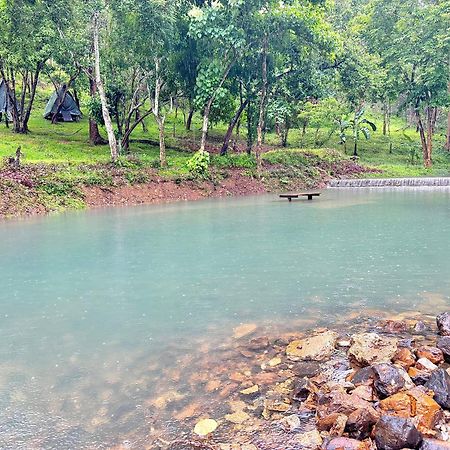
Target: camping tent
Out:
[69,110]
[5,102]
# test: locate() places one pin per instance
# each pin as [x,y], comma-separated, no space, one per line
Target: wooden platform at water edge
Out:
[310,195]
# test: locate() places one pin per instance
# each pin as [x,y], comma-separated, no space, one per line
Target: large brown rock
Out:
[396,433]
[414,403]
[439,383]
[315,348]
[360,423]
[388,379]
[371,348]
[443,323]
[338,401]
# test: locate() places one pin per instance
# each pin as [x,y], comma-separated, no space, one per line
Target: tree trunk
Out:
[426,135]
[162,142]
[447,144]
[250,136]
[156,110]
[262,104]
[95,137]
[106,117]
[233,123]
[189,118]
[209,104]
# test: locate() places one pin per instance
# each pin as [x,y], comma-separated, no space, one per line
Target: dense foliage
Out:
[256,65]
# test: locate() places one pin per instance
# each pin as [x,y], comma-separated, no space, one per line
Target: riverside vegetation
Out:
[270,86]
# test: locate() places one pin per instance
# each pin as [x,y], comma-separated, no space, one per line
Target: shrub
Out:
[198,165]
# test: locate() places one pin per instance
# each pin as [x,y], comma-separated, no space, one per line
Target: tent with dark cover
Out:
[5,102]
[69,110]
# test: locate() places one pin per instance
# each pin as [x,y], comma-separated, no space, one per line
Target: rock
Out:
[433,354]
[404,357]
[364,376]
[420,327]
[306,368]
[443,323]
[414,403]
[310,440]
[244,330]
[365,392]
[327,423]
[371,348]
[443,344]
[388,379]
[274,362]
[439,383]
[275,402]
[396,433]
[302,389]
[419,376]
[205,427]
[425,364]
[237,417]
[258,343]
[344,443]
[290,423]
[315,348]
[434,444]
[338,401]
[360,423]
[251,392]
[395,326]
[343,343]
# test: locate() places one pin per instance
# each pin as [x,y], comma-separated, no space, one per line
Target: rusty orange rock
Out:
[434,354]
[414,403]
[404,357]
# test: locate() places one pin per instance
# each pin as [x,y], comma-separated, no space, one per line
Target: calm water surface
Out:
[96,305]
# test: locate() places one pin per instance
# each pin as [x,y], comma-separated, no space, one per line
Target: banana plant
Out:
[359,125]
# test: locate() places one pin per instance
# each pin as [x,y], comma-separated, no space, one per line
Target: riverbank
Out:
[381,384]
[43,188]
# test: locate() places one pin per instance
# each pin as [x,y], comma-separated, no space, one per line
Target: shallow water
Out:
[101,310]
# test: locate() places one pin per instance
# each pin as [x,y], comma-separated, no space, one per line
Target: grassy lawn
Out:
[66,144]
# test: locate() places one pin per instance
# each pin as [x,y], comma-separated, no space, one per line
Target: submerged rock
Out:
[396,433]
[315,348]
[205,427]
[443,323]
[371,348]
[237,417]
[244,330]
[439,383]
[388,379]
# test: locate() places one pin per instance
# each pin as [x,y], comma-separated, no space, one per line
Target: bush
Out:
[198,165]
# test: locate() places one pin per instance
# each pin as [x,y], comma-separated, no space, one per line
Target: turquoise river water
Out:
[95,306]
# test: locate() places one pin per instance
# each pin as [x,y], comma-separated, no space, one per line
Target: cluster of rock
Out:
[372,391]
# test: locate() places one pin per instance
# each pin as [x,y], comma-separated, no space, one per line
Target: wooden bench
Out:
[310,195]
